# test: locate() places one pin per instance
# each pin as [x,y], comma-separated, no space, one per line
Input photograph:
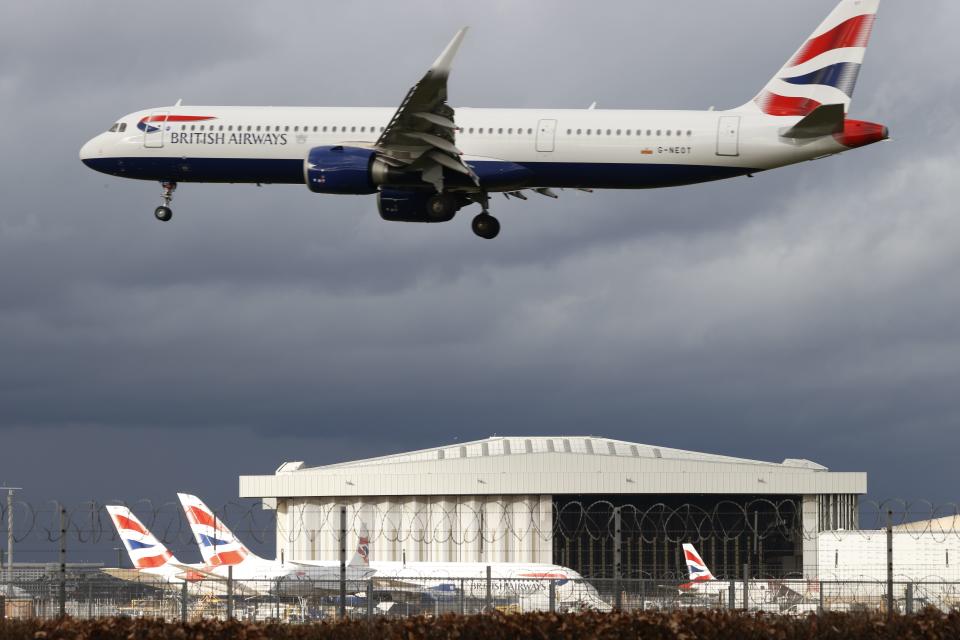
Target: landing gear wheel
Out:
[163,212]
[442,207]
[486,226]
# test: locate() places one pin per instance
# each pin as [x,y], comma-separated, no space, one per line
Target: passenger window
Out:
[618,132]
[529,132]
[569,131]
[689,132]
[668,132]
[193,127]
[659,131]
[500,130]
[353,129]
[363,129]
[258,127]
[510,130]
[588,131]
[629,132]
[608,132]
[579,131]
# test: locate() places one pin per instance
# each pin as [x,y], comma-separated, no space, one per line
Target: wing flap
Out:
[421,135]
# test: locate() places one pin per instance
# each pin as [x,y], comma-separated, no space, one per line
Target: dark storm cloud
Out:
[808,312]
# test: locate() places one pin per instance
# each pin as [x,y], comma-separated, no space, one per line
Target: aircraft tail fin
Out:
[695,565]
[218,545]
[824,70]
[361,558]
[145,550]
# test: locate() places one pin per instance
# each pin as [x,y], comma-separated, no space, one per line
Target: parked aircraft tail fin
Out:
[218,545]
[695,565]
[144,549]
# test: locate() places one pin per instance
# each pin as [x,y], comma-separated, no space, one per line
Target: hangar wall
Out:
[508,500]
[487,528]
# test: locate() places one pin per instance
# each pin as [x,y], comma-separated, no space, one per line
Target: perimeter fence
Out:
[88,595]
[758,538]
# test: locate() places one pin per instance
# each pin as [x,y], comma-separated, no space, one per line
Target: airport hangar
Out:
[552,499]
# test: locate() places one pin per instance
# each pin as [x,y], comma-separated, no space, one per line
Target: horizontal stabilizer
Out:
[825,120]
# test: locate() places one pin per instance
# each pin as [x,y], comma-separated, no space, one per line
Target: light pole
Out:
[10,491]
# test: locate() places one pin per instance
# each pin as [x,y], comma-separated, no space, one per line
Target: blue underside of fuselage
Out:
[536,174]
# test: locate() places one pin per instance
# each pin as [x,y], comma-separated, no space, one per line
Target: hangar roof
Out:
[550,465]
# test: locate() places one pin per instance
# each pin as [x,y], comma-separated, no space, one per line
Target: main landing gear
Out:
[163,213]
[485,225]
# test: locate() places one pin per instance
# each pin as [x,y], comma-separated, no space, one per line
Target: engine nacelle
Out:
[411,205]
[352,170]
[339,169]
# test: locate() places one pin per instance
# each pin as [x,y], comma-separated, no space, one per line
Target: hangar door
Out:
[728,136]
[546,132]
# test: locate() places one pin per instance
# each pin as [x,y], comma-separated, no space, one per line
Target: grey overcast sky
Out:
[808,312]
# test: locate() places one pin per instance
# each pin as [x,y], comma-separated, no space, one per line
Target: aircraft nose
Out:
[91,150]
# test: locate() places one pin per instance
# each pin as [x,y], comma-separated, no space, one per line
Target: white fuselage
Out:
[527,583]
[589,148]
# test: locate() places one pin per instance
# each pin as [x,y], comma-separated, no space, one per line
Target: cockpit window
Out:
[118,127]
[123,127]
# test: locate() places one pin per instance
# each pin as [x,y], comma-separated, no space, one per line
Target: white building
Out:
[551,499]
[925,551]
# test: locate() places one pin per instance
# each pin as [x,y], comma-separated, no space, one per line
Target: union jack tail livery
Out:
[218,545]
[362,556]
[696,566]
[145,551]
[825,68]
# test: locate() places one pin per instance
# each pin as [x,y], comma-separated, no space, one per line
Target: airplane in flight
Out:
[426,160]
[528,583]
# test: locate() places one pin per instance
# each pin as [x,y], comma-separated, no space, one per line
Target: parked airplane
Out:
[150,558]
[221,549]
[764,595]
[526,584]
[426,160]
[529,583]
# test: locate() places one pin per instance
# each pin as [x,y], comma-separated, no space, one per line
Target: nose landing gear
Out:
[163,213]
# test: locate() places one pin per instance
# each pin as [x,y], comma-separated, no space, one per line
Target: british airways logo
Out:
[151,124]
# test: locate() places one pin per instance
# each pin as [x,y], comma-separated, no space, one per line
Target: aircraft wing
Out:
[421,136]
[135,575]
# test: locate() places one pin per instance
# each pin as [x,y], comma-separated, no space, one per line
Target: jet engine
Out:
[411,205]
[352,170]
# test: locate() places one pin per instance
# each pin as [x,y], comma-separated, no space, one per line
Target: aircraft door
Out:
[728,136]
[154,126]
[546,132]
